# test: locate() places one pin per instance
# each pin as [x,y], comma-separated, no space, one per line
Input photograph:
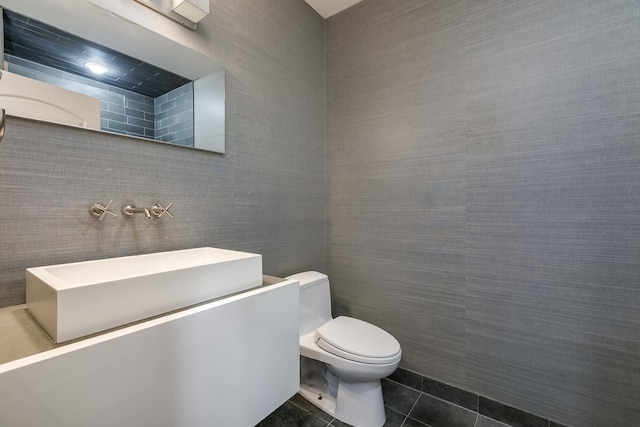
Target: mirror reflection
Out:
[136,98]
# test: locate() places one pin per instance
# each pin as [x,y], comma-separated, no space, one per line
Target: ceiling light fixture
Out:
[96,68]
[193,10]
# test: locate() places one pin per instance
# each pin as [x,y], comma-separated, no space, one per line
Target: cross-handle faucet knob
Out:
[158,210]
[99,211]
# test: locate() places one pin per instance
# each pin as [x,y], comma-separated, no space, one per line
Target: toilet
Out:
[343,359]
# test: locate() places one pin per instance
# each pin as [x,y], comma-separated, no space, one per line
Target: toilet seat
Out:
[356,340]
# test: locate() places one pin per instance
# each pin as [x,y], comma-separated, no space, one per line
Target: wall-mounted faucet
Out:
[129,210]
[99,211]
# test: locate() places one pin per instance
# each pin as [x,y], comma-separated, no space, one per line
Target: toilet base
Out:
[358,404]
[325,402]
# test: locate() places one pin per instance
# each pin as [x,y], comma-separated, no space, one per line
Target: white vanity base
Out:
[230,362]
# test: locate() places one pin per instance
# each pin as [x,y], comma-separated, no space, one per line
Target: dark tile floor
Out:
[400,401]
[415,401]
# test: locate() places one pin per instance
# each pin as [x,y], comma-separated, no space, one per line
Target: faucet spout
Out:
[130,210]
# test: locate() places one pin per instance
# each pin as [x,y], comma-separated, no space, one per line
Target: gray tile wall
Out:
[121,111]
[173,116]
[483,172]
[265,195]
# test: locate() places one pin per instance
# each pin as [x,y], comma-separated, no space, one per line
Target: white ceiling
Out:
[326,8]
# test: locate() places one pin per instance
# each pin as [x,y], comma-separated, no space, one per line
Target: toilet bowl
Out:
[342,359]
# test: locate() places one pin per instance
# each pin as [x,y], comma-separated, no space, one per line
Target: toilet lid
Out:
[357,340]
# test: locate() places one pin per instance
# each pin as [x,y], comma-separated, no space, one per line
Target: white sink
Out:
[73,300]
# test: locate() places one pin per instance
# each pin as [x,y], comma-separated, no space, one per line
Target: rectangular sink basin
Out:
[77,299]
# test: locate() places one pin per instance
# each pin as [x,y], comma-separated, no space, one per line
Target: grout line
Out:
[405,419]
[412,406]
[309,412]
[451,403]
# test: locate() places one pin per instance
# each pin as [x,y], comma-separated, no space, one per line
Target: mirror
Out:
[158,86]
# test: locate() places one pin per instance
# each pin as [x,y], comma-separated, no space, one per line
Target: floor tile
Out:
[303,403]
[439,413]
[394,419]
[408,378]
[290,415]
[450,393]
[423,409]
[509,415]
[398,397]
[488,422]
[410,422]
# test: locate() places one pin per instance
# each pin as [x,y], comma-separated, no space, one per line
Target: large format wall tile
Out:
[397,180]
[552,243]
[483,179]
[280,133]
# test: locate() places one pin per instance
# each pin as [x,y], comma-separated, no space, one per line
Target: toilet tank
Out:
[315,300]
